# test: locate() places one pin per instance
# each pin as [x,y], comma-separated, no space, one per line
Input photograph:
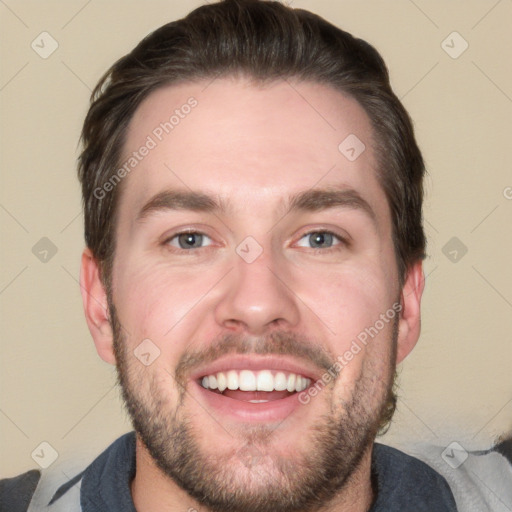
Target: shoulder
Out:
[55,488]
[16,493]
[48,489]
[406,483]
[481,480]
[59,487]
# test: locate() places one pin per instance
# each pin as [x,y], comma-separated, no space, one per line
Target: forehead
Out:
[248,144]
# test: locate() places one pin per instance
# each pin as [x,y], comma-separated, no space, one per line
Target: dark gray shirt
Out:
[403,483]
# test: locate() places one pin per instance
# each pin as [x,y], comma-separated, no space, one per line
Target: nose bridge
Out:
[256,295]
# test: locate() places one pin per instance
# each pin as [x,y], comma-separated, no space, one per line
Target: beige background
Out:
[457,383]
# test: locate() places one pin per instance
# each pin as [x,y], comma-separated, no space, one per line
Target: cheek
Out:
[155,301]
[367,361]
[350,300]
[152,386]
[358,308]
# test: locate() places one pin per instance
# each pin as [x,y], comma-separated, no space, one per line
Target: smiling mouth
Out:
[255,387]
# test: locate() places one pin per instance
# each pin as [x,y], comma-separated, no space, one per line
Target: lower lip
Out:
[264,412]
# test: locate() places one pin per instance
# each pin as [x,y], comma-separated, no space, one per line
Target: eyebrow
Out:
[180,200]
[309,200]
[322,199]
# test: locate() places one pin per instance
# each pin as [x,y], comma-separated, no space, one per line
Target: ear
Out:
[94,298]
[410,316]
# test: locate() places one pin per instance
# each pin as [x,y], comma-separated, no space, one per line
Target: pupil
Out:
[187,240]
[321,238]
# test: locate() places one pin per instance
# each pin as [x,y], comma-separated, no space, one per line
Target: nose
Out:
[257,297]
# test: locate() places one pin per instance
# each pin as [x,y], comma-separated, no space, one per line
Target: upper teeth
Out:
[247,380]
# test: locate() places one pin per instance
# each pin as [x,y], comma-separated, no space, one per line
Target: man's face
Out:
[270,289]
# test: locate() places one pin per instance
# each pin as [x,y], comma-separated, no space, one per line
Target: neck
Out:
[152,490]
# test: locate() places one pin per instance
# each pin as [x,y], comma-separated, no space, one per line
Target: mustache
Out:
[276,343]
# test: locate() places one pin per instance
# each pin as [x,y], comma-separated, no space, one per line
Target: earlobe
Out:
[410,316]
[94,298]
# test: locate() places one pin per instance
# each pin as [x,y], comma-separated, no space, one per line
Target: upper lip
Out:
[255,362]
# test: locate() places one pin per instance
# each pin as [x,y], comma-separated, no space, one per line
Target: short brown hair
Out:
[265,41]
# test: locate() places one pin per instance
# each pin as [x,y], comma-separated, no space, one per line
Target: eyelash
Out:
[343,242]
[167,241]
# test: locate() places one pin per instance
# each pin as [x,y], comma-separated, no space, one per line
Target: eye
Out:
[189,240]
[320,240]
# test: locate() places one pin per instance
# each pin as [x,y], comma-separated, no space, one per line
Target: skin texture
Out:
[251,147]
